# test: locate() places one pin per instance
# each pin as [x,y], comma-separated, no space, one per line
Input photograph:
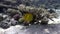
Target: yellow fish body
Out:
[28,17]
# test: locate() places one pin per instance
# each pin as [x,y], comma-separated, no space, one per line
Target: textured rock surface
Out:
[34,29]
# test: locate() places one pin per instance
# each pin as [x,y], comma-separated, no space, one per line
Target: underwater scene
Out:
[29,16]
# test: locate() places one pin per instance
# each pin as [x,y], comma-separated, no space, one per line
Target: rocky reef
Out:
[25,15]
